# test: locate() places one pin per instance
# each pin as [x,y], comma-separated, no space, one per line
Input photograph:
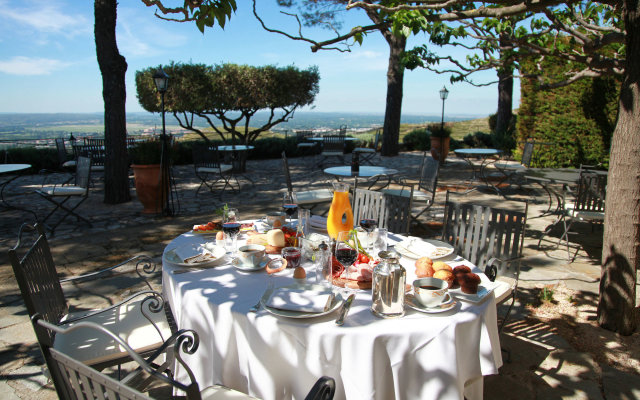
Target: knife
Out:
[345,309]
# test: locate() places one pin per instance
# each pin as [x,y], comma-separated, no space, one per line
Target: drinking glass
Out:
[346,252]
[379,241]
[369,224]
[304,216]
[231,215]
[293,255]
[231,230]
[290,204]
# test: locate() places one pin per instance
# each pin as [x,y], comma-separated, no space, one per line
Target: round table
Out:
[237,156]
[486,157]
[7,169]
[365,171]
[420,355]
[319,138]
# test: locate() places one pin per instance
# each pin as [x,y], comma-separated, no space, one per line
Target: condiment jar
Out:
[388,289]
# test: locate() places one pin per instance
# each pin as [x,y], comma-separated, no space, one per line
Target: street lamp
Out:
[443,95]
[161,79]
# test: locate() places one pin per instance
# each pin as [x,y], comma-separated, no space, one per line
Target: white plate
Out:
[243,267]
[217,251]
[415,248]
[337,302]
[484,289]
[447,305]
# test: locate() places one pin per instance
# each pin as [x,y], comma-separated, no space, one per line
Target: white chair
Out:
[392,212]
[305,198]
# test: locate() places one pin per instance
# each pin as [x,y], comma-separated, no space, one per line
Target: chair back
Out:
[95,148]
[527,154]
[62,151]
[376,141]
[333,144]
[479,233]
[38,279]
[287,174]
[429,175]
[392,212]
[83,172]
[302,135]
[343,130]
[76,381]
[591,191]
[205,155]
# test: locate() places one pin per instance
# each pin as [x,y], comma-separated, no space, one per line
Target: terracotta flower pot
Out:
[440,146]
[147,179]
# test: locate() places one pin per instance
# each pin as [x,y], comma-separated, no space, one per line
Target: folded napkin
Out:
[419,247]
[318,222]
[194,255]
[300,300]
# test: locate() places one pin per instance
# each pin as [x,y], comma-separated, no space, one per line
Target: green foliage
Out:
[478,139]
[40,159]
[417,139]
[439,130]
[546,294]
[146,153]
[578,119]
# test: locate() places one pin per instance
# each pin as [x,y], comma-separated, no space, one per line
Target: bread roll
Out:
[424,271]
[438,265]
[445,275]
[423,262]
[275,237]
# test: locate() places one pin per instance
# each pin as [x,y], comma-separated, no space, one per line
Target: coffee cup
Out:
[430,292]
[274,216]
[251,254]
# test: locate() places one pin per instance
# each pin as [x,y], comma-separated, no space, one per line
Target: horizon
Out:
[48,62]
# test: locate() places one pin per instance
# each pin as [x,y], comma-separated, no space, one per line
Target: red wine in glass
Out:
[346,256]
[231,228]
[290,209]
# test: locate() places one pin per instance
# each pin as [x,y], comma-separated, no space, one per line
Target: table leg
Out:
[5,204]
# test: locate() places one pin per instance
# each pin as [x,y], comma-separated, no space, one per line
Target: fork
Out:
[263,298]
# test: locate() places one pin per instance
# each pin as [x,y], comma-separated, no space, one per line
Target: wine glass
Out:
[290,204]
[231,230]
[231,215]
[369,224]
[346,252]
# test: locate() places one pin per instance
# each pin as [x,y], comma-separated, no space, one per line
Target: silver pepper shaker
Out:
[388,289]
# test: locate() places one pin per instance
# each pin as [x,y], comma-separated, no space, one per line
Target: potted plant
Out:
[145,162]
[440,138]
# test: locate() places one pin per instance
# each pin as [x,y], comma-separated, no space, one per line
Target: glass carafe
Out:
[340,214]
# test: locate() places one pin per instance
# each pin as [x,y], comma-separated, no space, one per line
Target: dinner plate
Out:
[244,267]
[484,289]
[412,303]
[218,252]
[415,248]
[337,302]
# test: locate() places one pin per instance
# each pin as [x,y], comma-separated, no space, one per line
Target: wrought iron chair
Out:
[392,212]
[490,238]
[367,154]
[59,195]
[139,319]
[63,160]
[332,146]
[514,172]
[210,170]
[302,143]
[74,380]
[306,198]
[95,149]
[427,185]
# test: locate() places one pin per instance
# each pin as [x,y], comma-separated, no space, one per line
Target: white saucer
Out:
[246,267]
[446,305]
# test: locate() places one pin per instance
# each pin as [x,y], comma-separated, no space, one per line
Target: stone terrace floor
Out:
[543,364]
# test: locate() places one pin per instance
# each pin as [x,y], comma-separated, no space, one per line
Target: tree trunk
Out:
[393,110]
[621,245]
[113,68]
[505,97]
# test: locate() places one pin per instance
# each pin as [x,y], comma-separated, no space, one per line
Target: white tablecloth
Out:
[419,356]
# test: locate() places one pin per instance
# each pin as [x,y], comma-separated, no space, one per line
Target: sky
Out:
[48,59]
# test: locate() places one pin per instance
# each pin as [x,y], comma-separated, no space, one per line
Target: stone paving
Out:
[543,364]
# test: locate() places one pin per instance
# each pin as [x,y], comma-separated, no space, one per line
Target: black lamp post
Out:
[443,95]
[161,79]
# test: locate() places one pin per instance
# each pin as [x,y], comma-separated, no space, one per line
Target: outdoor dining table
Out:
[486,156]
[7,170]
[365,171]
[237,155]
[418,356]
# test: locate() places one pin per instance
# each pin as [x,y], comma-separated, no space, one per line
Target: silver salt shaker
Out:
[388,289]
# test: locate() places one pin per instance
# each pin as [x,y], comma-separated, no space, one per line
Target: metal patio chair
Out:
[425,193]
[210,170]
[491,239]
[306,198]
[75,194]
[74,380]
[367,154]
[515,172]
[139,319]
[64,163]
[392,212]
[332,146]
[303,143]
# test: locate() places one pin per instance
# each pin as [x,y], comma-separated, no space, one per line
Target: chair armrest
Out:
[145,266]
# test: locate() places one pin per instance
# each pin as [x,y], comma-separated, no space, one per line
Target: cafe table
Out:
[9,171]
[237,155]
[486,156]
[418,356]
[365,171]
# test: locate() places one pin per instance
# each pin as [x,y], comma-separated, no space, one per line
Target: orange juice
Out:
[340,214]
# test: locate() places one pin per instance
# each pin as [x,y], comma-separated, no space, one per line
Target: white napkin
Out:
[318,222]
[419,247]
[194,255]
[299,300]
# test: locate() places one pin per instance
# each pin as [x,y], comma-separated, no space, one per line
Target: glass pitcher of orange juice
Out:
[340,214]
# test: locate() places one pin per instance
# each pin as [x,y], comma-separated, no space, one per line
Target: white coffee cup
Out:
[276,216]
[430,292]
[251,254]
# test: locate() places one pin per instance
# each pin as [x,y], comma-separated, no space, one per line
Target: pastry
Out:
[469,282]
[446,276]
[423,262]
[438,265]
[424,271]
